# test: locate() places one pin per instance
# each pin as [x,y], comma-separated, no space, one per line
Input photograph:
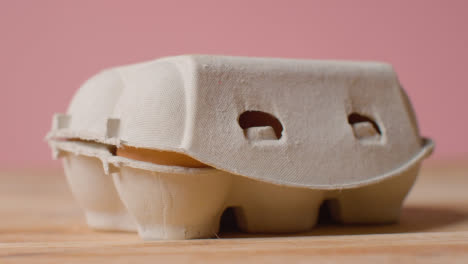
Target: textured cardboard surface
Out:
[191,105]
[278,138]
[94,189]
[170,202]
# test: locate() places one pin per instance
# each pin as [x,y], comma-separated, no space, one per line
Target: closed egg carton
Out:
[271,138]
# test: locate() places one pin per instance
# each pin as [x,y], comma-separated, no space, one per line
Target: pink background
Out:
[48,48]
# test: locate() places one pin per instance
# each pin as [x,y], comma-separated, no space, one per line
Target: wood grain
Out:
[41,223]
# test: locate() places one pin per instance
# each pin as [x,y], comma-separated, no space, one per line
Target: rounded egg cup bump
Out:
[166,146]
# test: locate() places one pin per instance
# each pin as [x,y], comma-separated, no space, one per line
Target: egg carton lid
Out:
[194,105]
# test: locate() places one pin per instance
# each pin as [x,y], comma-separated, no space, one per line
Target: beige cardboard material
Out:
[91,186]
[281,136]
[170,202]
[177,103]
[174,205]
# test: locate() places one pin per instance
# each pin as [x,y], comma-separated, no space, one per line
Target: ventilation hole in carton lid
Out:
[355,119]
[249,119]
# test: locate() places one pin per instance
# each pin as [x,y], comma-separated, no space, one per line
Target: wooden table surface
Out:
[41,223]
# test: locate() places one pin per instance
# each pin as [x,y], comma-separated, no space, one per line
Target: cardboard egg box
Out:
[165,147]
